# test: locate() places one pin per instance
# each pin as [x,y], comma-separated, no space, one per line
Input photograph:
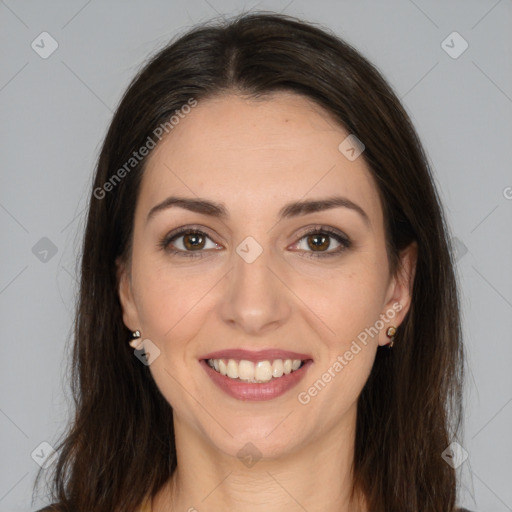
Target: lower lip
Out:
[257,392]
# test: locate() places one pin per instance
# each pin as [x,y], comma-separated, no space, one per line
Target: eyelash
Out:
[343,240]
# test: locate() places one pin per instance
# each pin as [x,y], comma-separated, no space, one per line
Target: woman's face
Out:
[272,273]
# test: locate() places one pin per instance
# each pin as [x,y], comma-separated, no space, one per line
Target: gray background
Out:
[55,112]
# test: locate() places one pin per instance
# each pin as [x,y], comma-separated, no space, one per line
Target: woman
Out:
[264,236]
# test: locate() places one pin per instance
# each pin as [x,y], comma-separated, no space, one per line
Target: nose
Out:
[256,301]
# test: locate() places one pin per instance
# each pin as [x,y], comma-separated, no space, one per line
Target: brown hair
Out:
[120,444]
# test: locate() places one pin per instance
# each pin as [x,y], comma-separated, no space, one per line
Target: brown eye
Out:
[318,242]
[194,241]
[188,242]
[322,241]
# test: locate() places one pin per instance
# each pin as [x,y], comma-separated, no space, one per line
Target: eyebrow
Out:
[290,210]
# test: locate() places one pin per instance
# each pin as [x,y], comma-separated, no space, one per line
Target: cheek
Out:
[348,305]
[346,301]
[171,302]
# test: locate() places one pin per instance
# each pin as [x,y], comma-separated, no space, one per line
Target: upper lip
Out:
[255,355]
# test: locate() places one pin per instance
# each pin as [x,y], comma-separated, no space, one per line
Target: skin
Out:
[254,157]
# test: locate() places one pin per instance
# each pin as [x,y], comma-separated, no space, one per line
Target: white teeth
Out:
[277,368]
[261,371]
[245,370]
[232,369]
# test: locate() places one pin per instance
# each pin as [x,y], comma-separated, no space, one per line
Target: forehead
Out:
[256,155]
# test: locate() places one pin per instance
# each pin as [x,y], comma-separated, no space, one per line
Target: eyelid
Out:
[321,228]
[190,228]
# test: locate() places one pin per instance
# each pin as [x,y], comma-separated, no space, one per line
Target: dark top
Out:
[54,508]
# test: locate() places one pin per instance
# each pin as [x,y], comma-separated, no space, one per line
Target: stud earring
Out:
[136,339]
[390,333]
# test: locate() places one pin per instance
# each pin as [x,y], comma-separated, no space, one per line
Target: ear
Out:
[399,293]
[124,288]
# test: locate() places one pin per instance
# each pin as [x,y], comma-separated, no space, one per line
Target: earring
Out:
[390,333]
[135,342]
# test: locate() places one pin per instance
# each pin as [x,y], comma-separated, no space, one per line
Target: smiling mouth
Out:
[258,372]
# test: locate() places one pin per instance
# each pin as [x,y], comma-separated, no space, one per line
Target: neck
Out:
[314,477]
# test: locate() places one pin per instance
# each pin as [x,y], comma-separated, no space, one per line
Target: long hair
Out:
[119,447]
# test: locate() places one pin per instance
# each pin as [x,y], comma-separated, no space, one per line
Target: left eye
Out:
[320,243]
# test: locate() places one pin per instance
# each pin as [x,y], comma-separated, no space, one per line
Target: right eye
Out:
[187,241]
